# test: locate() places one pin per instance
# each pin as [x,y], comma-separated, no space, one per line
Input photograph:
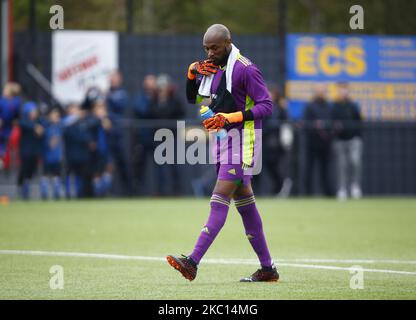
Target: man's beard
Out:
[224,59]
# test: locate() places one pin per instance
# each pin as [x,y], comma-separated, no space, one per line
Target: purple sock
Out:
[254,228]
[216,220]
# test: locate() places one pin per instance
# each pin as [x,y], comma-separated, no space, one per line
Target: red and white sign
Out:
[80,60]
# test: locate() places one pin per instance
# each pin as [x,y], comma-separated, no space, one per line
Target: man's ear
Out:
[228,45]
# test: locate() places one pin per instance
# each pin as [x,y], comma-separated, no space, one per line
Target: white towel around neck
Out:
[205,86]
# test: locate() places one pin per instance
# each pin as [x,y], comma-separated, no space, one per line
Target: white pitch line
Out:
[310,266]
[208,261]
[364,261]
[348,261]
[79,255]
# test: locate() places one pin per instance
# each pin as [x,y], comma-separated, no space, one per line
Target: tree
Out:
[241,16]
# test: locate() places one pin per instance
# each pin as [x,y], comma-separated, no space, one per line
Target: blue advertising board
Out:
[381,71]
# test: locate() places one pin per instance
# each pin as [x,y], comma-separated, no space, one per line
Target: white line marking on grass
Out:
[347,261]
[310,266]
[364,261]
[79,255]
[208,261]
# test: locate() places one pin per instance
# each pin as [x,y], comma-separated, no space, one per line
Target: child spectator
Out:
[102,162]
[52,156]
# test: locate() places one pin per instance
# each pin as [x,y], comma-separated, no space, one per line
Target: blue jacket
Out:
[142,108]
[318,110]
[31,145]
[77,139]
[9,111]
[100,136]
[117,101]
[53,152]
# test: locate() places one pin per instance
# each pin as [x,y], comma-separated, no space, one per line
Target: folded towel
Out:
[205,86]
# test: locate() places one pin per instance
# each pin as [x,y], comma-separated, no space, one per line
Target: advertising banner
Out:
[80,60]
[381,71]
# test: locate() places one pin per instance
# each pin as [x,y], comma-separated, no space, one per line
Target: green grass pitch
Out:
[313,242]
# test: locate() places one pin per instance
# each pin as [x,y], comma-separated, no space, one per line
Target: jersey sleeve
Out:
[257,90]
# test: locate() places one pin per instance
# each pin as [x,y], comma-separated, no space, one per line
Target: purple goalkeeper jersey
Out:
[249,92]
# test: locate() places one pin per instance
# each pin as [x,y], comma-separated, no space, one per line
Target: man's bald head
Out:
[217,31]
[217,43]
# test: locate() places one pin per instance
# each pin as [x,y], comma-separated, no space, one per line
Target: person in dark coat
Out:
[274,150]
[118,108]
[78,144]
[318,138]
[143,144]
[348,144]
[167,106]
[52,156]
[31,146]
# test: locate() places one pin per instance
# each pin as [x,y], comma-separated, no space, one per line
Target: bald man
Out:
[238,108]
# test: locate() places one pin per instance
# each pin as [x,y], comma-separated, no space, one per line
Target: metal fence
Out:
[389,158]
[388,164]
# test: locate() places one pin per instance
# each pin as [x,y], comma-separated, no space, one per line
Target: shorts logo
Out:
[205,229]
[232,171]
[250,237]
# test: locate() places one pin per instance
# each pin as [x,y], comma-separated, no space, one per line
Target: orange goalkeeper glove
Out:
[204,67]
[218,121]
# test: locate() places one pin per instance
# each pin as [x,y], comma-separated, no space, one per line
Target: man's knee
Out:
[225,188]
[243,192]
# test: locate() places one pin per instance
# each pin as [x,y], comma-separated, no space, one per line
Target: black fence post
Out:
[129,16]
[33,40]
[282,32]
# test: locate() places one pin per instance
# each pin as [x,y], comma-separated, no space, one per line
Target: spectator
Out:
[117,96]
[101,161]
[146,98]
[143,136]
[10,104]
[31,146]
[117,104]
[92,94]
[78,144]
[167,106]
[52,156]
[348,144]
[276,146]
[317,124]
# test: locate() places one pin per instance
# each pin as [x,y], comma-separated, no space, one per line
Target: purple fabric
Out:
[233,172]
[215,222]
[254,231]
[247,82]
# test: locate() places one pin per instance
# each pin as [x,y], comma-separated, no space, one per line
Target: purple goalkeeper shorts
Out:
[233,172]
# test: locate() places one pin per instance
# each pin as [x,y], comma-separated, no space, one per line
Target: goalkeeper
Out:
[240,99]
